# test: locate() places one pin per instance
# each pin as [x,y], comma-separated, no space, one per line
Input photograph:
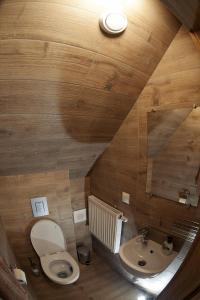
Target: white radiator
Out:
[105,223]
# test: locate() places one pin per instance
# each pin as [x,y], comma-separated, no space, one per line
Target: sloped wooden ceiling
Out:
[65,87]
[188,12]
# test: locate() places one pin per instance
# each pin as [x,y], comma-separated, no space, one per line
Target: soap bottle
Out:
[168,245]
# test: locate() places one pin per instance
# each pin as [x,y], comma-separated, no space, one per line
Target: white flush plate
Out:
[39,206]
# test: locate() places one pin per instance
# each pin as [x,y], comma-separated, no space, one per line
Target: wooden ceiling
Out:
[65,87]
[188,12]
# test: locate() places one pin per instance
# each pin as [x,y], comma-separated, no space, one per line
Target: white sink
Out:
[144,260]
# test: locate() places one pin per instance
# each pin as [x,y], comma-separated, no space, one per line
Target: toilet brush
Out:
[34,267]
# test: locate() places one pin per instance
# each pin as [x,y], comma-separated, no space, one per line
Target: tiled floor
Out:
[97,282]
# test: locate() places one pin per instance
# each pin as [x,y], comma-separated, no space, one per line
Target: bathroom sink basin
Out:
[144,260]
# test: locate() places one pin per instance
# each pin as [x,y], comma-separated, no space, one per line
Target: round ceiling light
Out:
[113,22]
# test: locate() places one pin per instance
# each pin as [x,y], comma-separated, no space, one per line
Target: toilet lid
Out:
[47,238]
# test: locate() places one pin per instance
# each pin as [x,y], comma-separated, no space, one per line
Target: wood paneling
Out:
[188,12]
[80,190]
[64,196]
[65,87]
[8,255]
[16,212]
[5,249]
[123,166]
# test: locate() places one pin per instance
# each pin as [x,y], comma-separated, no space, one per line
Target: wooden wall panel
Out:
[65,87]
[188,12]
[123,166]
[8,255]
[16,212]
[5,249]
[80,190]
[64,196]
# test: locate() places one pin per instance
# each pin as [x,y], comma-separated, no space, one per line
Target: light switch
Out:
[39,206]
[126,198]
[80,216]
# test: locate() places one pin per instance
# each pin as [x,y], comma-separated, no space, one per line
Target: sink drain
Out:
[141,263]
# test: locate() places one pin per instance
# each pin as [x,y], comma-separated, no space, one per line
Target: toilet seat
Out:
[61,256]
[49,243]
[47,238]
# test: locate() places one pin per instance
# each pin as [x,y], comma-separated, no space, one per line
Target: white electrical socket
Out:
[125,198]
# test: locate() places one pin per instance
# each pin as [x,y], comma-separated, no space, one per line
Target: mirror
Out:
[174,155]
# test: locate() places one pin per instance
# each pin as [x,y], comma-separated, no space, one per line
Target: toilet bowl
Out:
[49,243]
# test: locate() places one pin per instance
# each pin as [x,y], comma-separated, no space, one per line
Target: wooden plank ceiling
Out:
[65,87]
[188,12]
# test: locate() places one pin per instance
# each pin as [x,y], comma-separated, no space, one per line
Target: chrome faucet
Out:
[144,233]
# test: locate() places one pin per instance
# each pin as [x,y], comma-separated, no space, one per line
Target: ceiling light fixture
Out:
[113,22]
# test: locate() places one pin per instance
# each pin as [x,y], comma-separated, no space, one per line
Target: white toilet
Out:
[48,241]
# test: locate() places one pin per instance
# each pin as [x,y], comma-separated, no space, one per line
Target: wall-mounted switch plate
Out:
[126,198]
[39,206]
[80,216]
